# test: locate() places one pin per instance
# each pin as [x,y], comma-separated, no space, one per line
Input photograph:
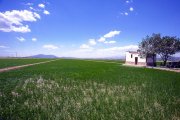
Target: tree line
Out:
[164,46]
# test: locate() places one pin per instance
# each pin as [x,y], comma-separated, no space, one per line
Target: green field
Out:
[80,89]
[15,62]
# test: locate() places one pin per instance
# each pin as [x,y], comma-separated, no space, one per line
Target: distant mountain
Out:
[68,57]
[43,56]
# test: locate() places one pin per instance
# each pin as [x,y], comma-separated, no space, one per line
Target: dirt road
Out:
[22,66]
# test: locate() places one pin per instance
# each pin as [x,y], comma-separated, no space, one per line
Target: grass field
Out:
[80,89]
[15,62]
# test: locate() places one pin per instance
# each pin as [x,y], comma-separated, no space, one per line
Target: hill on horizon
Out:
[43,56]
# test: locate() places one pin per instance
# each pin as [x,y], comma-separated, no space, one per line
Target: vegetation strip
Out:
[21,66]
[103,61]
[157,68]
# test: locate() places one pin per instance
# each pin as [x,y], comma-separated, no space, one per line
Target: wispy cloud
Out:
[92,42]
[13,21]
[109,35]
[101,39]
[110,42]
[50,47]
[2,46]
[102,52]
[31,8]
[131,9]
[37,15]
[127,1]
[21,39]
[122,48]
[34,39]
[41,5]
[29,4]
[126,13]
[85,46]
[46,12]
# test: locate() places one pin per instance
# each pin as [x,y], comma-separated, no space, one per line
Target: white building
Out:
[133,58]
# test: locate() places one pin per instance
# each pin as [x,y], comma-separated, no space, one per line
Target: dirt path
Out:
[159,68]
[166,69]
[22,66]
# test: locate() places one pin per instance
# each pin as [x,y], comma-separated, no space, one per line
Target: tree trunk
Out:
[165,61]
[153,60]
[164,58]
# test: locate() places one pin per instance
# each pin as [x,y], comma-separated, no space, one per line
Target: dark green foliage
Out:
[168,46]
[149,45]
[164,46]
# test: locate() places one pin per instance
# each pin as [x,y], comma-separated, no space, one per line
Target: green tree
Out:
[163,46]
[168,46]
[149,45]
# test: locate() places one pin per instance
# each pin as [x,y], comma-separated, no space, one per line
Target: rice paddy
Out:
[89,89]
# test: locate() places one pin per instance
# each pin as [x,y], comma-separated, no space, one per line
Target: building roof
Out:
[133,52]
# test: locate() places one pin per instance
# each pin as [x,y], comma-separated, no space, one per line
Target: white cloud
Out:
[22,29]
[85,46]
[34,39]
[129,1]
[31,8]
[131,9]
[101,39]
[101,53]
[41,5]
[46,12]
[2,46]
[123,48]
[30,4]
[12,21]
[21,39]
[37,15]
[109,35]
[50,47]
[112,34]
[92,42]
[126,14]
[110,42]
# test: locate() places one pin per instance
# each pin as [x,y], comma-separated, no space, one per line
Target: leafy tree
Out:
[168,46]
[149,45]
[155,44]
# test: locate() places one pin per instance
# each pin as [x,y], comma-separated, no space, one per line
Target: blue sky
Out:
[83,28]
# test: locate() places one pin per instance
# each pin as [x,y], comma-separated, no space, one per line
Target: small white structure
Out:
[134,58]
